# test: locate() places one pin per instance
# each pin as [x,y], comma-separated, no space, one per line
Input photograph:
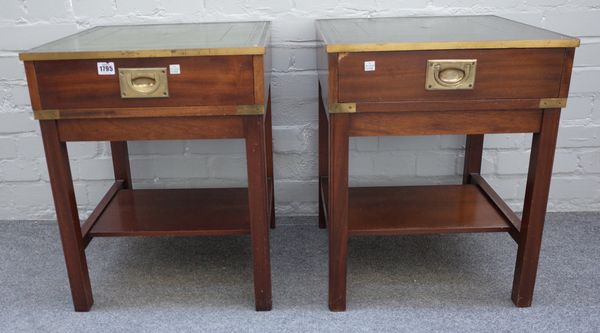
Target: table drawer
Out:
[401,76]
[203,80]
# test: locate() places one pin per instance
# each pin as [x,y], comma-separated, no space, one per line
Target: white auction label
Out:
[369,66]
[174,69]
[106,68]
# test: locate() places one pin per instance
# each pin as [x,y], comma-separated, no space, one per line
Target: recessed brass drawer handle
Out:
[450,74]
[143,82]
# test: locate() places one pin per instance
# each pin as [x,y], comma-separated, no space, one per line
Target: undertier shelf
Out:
[175,212]
[420,210]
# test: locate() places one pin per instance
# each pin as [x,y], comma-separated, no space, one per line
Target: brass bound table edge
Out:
[432,46]
[142,112]
[544,103]
[43,56]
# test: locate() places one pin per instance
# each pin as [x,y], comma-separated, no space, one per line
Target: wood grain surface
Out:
[511,73]
[75,84]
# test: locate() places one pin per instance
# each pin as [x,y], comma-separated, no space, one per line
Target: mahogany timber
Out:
[125,129]
[100,208]
[510,216]
[323,158]
[534,210]
[120,158]
[565,81]
[198,212]
[337,209]
[512,85]
[473,156]
[260,91]
[258,209]
[401,75]
[218,80]
[269,147]
[214,97]
[445,122]
[448,105]
[63,193]
[332,79]
[421,210]
[32,85]
[139,112]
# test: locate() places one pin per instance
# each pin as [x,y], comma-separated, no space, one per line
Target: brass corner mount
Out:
[342,108]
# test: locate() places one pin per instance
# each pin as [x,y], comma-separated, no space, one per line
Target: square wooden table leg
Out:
[534,210]
[338,209]
[68,218]
[269,142]
[258,206]
[120,158]
[473,156]
[323,157]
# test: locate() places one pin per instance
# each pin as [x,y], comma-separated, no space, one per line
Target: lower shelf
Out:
[175,212]
[420,210]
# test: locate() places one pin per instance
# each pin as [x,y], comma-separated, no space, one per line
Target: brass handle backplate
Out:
[143,82]
[450,74]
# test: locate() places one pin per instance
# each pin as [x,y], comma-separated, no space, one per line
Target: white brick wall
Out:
[24,189]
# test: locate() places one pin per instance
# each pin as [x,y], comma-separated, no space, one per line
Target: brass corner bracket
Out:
[552,103]
[46,114]
[342,108]
[252,109]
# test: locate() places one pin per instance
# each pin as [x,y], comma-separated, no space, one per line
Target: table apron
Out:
[163,128]
[445,122]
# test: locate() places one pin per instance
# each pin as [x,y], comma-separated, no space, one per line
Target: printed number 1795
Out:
[106,68]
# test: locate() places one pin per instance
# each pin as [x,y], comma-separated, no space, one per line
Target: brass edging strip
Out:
[416,46]
[46,114]
[33,56]
[253,109]
[552,103]
[342,108]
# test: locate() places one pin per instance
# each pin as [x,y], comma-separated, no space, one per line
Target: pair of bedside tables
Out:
[390,76]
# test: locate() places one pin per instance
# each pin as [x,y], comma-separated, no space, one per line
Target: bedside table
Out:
[434,76]
[157,82]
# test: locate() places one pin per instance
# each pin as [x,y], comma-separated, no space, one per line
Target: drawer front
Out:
[401,76]
[211,80]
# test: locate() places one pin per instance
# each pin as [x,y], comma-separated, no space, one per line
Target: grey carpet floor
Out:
[438,283]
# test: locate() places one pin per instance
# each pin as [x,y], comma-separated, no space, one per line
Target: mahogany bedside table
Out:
[432,76]
[157,82]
